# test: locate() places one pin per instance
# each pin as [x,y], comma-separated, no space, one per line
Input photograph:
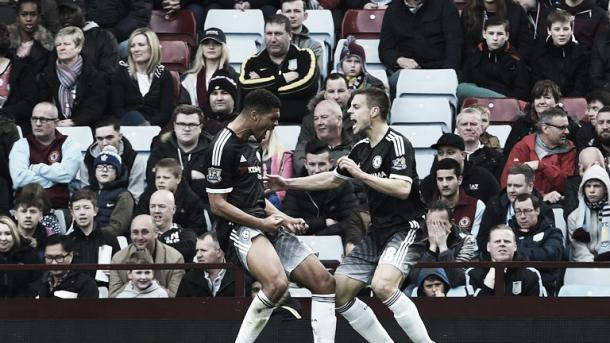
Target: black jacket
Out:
[86,248]
[517,281]
[15,283]
[23,92]
[590,22]
[102,49]
[599,71]
[496,210]
[75,282]
[566,65]
[477,182]
[431,36]
[194,284]
[156,106]
[487,158]
[501,70]
[91,93]
[181,239]
[314,207]
[121,17]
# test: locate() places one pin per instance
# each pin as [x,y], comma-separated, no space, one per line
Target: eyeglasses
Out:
[561,128]
[104,167]
[524,211]
[42,120]
[183,126]
[56,258]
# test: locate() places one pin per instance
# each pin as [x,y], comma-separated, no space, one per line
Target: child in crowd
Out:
[142,283]
[487,138]
[353,66]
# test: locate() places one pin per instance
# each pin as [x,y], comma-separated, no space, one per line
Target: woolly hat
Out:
[351,48]
[222,80]
[109,156]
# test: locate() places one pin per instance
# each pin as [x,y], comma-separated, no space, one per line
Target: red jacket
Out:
[553,169]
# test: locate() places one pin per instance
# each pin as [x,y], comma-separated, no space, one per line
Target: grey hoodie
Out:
[153,291]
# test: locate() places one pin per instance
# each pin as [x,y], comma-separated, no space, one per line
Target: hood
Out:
[594,172]
[134,292]
[124,146]
[425,272]
[42,36]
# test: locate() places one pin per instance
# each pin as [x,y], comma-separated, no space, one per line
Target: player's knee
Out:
[276,288]
[325,283]
[383,288]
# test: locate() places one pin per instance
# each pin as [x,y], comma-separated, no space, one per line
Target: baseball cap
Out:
[449,139]
[214,34]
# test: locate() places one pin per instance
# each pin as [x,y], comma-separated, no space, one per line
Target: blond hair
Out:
[155,50]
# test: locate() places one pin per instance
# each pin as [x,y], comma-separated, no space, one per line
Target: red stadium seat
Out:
[178,26]
[502,110]
[460,4]
[576,108]
[175,55]
[362,24]
[177,85]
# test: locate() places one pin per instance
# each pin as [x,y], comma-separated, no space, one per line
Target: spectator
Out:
[486,138]
[433,283]
[420,34]
[142,283]
[494,68]
[87,236]
[352,64]
[162,208]
[559,58]
[189,207]
[100,46]
[596,100]
[283,69]
[590,20]
[211,57]
[536,11]
[211,282]
[586,158]
[446,242]
[72,83]
[326,212]
[589,224]
[367,4]
[599,71]
[276,160]
[466,211]
[66,284]
[548,153]
[34,221]
[142,89]
[469,126]
[18,91]
[537,238]
[144,244]
[223,103]
[185,143]
[502,247]
[120,17]
[295,11]
[499,209]
[476,181]
[545,95]
[46,157]
[601,138]
[268,7]
[107,132]
[476,14]
[116,203]
[198,8]
[15,249]
[29,39]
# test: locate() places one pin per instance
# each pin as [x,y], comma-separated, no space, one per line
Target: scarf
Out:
[584,213]
[202,89]
[68,76]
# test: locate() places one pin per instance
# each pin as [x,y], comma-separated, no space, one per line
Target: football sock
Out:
[407,316]
[257,316]
[323,319]
[363,320]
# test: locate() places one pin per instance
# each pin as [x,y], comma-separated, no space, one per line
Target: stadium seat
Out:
[83,135]
[428,82]
[420,136]
[502,110]
[599,277]
[381,75]
[500,131]
[459,291]
[420,110]
[241,49]
[560,223]
[288,135]
[177,85]
[364,24]
[321,27]
[140,137]
[103,292]
[175,55]
[327,248]
[584,291]
[180,25]
[248,24]
[576,108]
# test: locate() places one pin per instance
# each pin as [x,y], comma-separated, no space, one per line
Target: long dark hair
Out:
[473,14]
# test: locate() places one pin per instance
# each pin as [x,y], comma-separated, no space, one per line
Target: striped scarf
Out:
[68,76]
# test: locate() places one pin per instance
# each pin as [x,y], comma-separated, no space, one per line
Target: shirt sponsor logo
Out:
[399,163]
[473,186]
[214,175]
[377,162]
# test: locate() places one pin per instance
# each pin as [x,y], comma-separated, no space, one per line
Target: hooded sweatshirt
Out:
[438,272]
[152,291]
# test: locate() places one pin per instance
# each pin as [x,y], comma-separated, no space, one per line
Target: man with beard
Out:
[222,94]
[602,132]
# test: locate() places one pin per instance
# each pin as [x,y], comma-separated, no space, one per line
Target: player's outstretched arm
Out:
[398,188]
[221,207]
[318,182]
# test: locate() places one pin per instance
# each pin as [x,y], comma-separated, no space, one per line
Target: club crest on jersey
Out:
[516,287]
[464,223]
[214,175]
[54,156]
[399,163]
[377,162]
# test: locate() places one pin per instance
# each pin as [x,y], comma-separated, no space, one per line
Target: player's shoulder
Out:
[399,143]
[221,142]
[361,143]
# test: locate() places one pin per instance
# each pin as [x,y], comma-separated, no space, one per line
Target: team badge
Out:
[292,64]
[516,287]
[54,156]
[389,254]
[465,222]
[245,234]
[214,175]
[399,163]
[377,162]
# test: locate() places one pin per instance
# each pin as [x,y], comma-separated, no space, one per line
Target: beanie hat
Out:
[222,80]
[109,156]
[351,48]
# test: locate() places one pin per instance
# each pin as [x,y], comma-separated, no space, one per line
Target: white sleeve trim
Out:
[401,177]
[341,176]
[219,191]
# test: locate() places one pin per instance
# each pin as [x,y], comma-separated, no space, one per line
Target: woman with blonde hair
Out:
[277,160]
[142,88]
[72,82]
[212,56]
[15,249]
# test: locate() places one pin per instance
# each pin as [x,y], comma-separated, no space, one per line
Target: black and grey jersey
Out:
[394,158]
